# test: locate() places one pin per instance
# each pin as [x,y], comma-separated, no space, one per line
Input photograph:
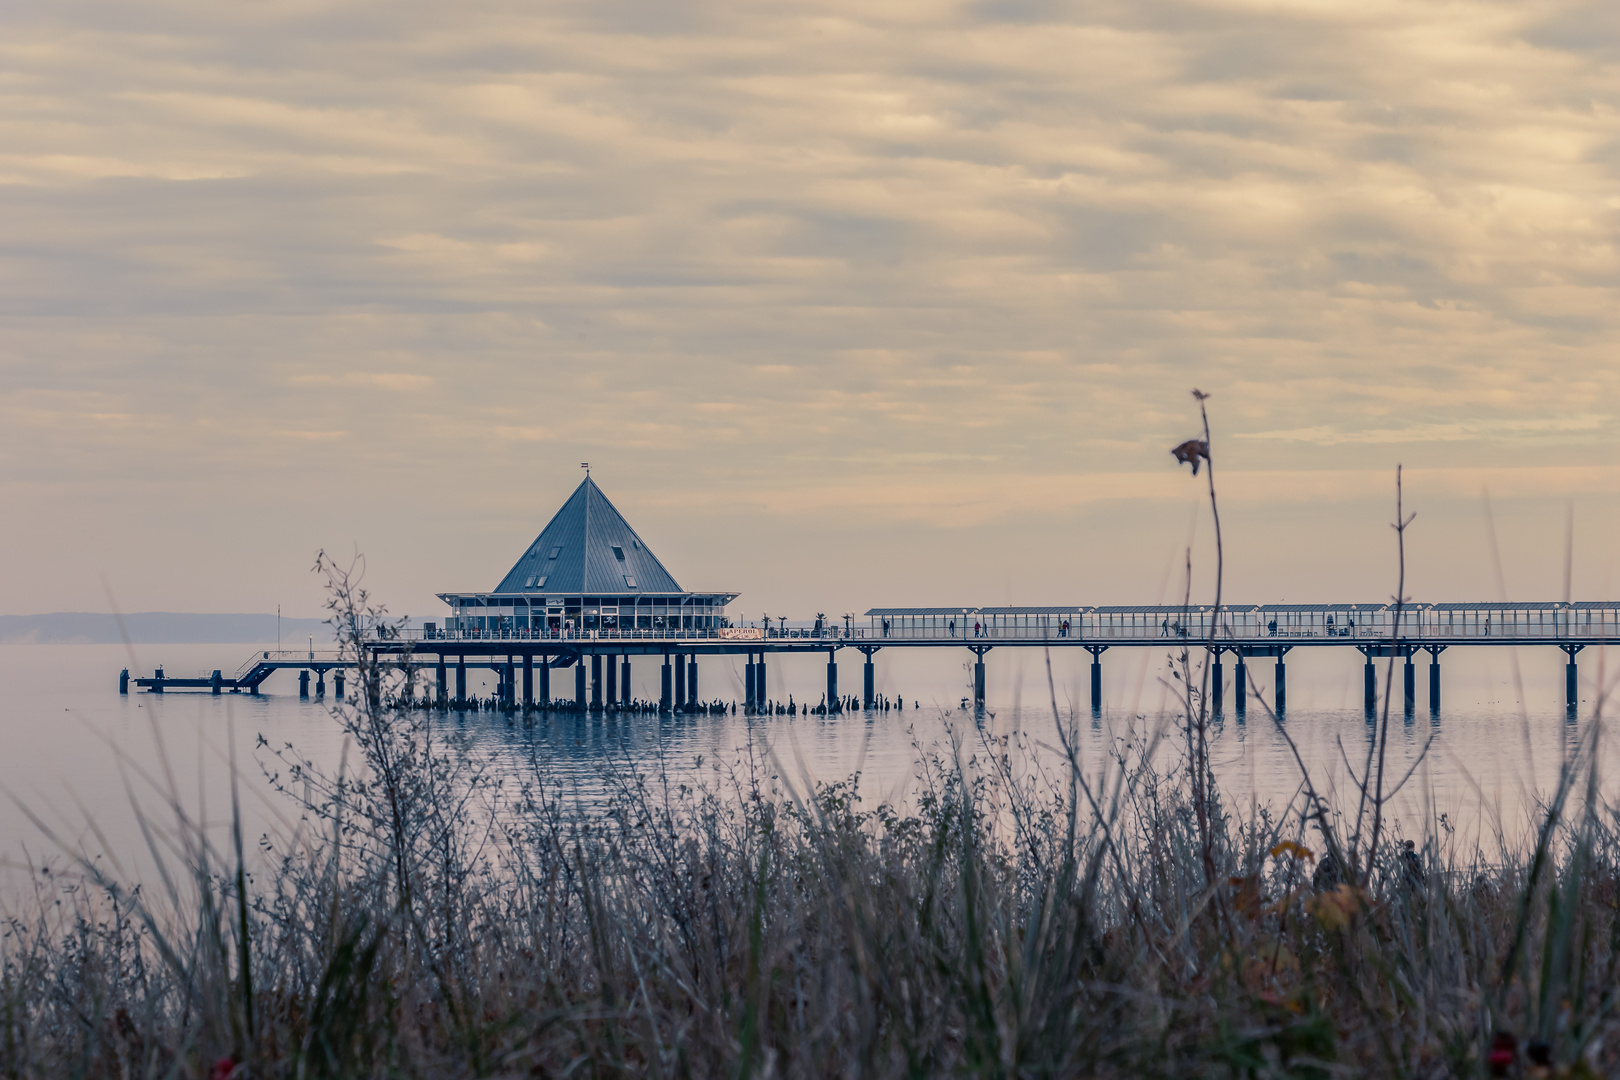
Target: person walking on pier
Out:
[976,628]
[953,628]
[1164,628]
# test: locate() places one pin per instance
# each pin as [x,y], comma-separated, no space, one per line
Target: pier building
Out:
[588,572]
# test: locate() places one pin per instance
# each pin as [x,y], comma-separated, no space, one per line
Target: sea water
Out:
[82,766]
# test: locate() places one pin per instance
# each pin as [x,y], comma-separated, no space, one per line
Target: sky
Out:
[847,304]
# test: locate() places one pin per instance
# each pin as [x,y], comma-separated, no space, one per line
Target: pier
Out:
[601,659]
[589,596]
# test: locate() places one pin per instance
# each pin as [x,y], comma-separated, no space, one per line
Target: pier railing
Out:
[287,657]
[1298,624]
[1319,623]
[728,634]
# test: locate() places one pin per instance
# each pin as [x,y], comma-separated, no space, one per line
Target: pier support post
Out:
[303,682]
[691,678]
[748,683]
[509,683]
[1281,693]
[666,686]
[579,684]
[528,681]
[624,681]
[320,683]
[1240,687]
[832,681]
[1572,682]
[1217,686]
[596,681]
[1096,652]
[978,675]
[1409,685]
[612,682]
[1369,687]
[869,681]
[761,693]
[461,680]
[441,681]
[123,682]
[1434,679]
[337,683]
[545,682]
[680,682]
[216,683]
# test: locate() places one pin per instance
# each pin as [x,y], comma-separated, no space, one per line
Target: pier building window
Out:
[618,552]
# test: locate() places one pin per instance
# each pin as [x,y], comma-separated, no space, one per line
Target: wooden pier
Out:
[588,594]
[601,660]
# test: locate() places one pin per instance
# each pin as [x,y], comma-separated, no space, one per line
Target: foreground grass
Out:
[430,918]
[430,921]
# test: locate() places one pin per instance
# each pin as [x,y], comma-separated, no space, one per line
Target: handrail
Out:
[1194,633]
[286,656]
[577,635]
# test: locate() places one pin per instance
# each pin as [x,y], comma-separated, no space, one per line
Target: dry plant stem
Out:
[1198,717]
[1399,525]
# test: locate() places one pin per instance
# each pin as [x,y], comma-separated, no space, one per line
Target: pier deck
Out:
[1242,633]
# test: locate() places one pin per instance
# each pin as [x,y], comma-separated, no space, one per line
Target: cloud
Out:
[1460,431]
[386,380]
[838,253]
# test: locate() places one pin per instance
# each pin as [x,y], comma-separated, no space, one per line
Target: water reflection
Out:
[76,751]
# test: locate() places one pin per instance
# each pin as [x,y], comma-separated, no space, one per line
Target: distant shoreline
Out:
[155,628]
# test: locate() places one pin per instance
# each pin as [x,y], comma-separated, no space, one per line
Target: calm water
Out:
[79,756]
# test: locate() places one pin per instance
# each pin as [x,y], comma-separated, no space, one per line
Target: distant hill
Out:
[156,628]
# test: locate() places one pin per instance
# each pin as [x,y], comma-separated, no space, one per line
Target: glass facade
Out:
[498,615]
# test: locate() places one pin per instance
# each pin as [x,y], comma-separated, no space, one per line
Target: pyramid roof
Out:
[588,548]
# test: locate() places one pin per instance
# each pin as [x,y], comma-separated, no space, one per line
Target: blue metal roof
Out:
[588,548]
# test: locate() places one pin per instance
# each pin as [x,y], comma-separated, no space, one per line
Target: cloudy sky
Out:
[847,303]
